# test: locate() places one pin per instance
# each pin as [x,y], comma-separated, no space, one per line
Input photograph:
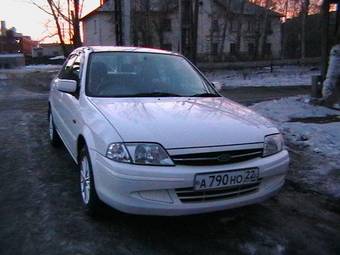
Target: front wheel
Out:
[89,195]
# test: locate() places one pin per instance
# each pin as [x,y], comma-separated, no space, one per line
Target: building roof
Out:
[249,8]
[107,7]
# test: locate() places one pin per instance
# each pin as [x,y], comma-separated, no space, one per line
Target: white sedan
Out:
[152,136]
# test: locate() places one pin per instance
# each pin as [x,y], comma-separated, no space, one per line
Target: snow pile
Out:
[58,58]
[312,134]
[258,77]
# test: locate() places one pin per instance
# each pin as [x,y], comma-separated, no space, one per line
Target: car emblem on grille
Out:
[224,158]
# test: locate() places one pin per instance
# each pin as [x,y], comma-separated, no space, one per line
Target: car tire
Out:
[53,134]
[89,197]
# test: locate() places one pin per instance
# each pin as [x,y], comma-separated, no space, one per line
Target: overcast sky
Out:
[28,19]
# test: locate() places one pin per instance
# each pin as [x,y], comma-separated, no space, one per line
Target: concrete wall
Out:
[10,61]
[47,51]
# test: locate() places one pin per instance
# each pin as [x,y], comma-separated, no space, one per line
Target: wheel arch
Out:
[49,110]
[85,138]
[81,143]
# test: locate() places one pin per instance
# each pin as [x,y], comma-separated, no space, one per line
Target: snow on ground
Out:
[255,77]
[42,67]
[30,69]
[312,134]
[3,76]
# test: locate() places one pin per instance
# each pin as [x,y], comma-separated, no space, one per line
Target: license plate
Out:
[226,179]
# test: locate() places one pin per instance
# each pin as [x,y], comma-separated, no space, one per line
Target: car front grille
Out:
[189,195]
[215,158]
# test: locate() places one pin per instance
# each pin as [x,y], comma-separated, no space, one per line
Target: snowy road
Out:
[40,210]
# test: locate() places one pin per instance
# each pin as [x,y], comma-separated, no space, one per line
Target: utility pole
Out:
[118,22]
[194,29]
[180,26]
[189,26]
[324,37]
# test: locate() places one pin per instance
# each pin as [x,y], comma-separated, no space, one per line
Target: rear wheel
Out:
[89,195]
[53,135]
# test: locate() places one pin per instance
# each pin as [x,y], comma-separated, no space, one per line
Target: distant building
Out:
[49,50]
[11,61]
[292,36]
[26,45]
[227,30]
[12,42]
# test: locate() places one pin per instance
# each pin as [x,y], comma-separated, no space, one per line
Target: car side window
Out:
[67,71]
[76,67]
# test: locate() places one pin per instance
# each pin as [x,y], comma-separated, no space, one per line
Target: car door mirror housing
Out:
[68,86]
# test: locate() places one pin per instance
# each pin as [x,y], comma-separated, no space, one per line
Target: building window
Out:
[214,26]
[233,48]
[269,28]
[95,26]
[268,49]
[251,26]
[214,49]
[167,25]
[234,26]
[167,46]
[251,49]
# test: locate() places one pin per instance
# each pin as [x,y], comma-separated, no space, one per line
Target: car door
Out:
[58,97]
[71,108]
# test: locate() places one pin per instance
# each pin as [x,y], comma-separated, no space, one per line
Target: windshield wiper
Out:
[207,94]
[155,94]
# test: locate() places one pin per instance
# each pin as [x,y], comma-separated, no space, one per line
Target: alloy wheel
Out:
[85,180]
[51,128]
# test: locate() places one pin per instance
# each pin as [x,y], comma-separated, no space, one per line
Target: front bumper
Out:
[151,190]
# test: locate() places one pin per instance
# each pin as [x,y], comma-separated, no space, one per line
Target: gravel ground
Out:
[40,210]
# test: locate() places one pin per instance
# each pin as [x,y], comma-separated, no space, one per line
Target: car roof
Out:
[124,49]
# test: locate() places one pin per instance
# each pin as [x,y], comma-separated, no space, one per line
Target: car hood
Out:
[184,122]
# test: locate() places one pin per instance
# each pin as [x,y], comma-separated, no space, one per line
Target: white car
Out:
[152,136]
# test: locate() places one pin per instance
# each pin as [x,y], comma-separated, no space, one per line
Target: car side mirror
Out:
[217,85]
[68,86]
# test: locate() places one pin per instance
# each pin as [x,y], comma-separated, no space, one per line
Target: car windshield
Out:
[131,74]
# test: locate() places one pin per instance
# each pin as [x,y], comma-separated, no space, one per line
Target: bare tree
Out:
[76,24]
[64,12]
[56,19]
[264,29]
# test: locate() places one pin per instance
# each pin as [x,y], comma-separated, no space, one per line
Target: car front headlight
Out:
[139,153]
[272,144]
